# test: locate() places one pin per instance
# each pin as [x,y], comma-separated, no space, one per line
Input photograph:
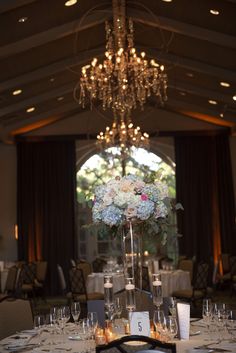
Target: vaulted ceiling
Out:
[44,44]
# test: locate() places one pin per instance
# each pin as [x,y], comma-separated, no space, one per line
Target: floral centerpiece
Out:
[127,199]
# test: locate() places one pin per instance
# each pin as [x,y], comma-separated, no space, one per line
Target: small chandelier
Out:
[125,79]
[124,135]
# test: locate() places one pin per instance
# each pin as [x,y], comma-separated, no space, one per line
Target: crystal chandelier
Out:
[125,79]
[123,134]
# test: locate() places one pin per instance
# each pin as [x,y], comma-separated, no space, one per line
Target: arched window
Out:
[97,170]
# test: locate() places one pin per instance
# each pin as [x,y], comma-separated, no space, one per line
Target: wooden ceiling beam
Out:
[52,69]
[186,29]
[54,33]
[9,5]
[189,64]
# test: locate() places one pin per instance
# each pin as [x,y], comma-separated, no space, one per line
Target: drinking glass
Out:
[92,318]
[38,321]
[159,322]
[118,307]
[75,311]
[172,306]
[207,314]
[157,290]
[172,327]
[231,325]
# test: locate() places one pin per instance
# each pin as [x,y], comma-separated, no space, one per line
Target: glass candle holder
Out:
[130,294]
[157,290]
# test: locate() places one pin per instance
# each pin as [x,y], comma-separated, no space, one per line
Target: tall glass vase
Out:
[132,252]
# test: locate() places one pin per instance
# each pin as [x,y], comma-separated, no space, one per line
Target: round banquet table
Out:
[171,281]
[95,282]
[46,341]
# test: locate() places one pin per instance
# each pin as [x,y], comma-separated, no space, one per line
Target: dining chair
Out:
[98,264]
[11,283]
[126,344]
[186,265]
[78,287]
[199,288]
[15,315]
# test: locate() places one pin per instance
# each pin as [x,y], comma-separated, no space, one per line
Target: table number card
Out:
[139,323]
[183,314]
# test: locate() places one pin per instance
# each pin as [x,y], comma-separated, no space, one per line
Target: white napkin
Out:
[183,314]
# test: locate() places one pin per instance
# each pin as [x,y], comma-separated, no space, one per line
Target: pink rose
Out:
[144,197]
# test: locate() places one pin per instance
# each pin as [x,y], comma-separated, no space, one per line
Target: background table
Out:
[95,282]
[174,280]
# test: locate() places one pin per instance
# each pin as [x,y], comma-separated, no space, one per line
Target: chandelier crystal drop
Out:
[125,79]
[124,135]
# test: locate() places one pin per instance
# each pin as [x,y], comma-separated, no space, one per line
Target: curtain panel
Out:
[204,186]
[46,196]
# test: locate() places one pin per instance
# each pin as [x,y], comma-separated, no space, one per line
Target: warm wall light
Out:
[16,231]
[234,97]
[23,19]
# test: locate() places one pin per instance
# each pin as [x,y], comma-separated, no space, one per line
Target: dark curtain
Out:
[205,188]
[46,189]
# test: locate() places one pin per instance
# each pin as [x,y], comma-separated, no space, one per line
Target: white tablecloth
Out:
[95,282]
[64,344]
[171,281]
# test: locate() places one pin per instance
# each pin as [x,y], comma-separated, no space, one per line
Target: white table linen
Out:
[174,280]
[95,282]
[48,342]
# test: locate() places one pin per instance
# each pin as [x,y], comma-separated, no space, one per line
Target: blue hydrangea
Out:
[131,177]
[112,215]
[96,213]
[152,192]
[100,192]
[145,209]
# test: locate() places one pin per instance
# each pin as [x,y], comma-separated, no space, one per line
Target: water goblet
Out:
[92,320]
[118,307]
[159,322]
[172,327]
[75,311]
[157,290]
[207,315]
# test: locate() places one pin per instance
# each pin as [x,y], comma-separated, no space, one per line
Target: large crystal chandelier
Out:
[125,79]
[123,134]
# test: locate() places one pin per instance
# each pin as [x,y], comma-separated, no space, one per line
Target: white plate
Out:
[75,338]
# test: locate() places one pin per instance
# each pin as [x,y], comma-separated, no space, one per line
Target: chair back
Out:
[15,315]
[41,270]
[186,265]
[62,280]
[86,268]
[224,258]
[98,264]
[151,345]
[77,281]
[232,262]
[11,280]
[201,278]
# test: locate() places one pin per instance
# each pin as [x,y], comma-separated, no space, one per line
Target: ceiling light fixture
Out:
[211,101]
[23,19]
[70,3]
[124,135]
[30,110]
[125,79]
[224,84]
[189,74]
[16,92]
[234,98]
[215,12]
[221,115]
[167,0]
[60,99]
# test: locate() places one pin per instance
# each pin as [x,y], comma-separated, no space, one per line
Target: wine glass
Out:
[172,306]
[75,311]
[231,325]
[159,321]
[118,307]
[207,314]
[38,321]
[172,327]
[92,319]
